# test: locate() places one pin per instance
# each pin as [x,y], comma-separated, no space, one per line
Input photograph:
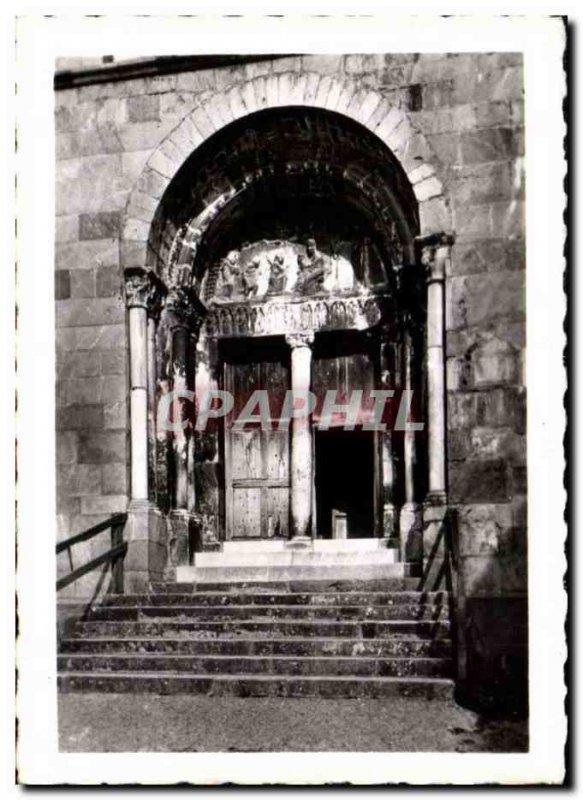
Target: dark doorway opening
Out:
[345,484]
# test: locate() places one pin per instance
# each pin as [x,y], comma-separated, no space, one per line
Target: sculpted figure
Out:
[312,269]
[277,275]
[230,276]
[255,278]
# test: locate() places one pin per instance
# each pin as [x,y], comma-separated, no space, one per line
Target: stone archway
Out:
[391,125]
[167,245]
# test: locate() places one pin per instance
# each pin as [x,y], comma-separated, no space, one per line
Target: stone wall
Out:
[465,130]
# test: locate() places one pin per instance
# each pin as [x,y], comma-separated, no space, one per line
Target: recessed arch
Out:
[390,125]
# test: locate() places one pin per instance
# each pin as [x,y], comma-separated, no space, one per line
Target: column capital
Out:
[304,339]
[144,289]
[184,309]
[435,254]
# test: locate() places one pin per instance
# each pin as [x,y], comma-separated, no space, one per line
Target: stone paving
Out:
[144,723]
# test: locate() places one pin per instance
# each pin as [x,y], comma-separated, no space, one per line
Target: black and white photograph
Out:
[295,501]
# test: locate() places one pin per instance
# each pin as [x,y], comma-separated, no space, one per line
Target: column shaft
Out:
[301,441]
[436,387]
[138,402]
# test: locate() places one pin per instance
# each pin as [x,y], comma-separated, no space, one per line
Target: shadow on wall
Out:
[489,624]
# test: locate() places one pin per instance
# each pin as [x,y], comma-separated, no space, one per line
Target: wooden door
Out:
[256,460]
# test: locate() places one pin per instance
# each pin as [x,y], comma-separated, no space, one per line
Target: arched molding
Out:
[346,97]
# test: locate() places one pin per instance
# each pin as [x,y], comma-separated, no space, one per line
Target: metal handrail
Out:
[114,555]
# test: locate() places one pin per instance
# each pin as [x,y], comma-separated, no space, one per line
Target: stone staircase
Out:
[219,633]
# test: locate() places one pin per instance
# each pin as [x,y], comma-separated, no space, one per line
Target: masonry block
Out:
[86,255]
[490,144]
[106,504]
[78,480]
[484,481]
[103,447]
[143,108]
[114,479]
[67,447]
[62,284]
[83,283]
[101,311]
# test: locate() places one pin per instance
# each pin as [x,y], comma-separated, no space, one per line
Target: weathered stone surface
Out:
[67,447]
[492,408]
[79,364]
[94,337]
[102,311]
[487,443]
[494,575]
[479,481]
[103,447]
[100,225]
[114,361]
[82,283]
[488,255]
[115,415]
[114,479]
[98,389]
[87,255]
[62,284]
[491,144]
[66,228]
[107,282]
[487,529]
[106,505]
[143,108]
[479,300]
[78,480]
[80,417]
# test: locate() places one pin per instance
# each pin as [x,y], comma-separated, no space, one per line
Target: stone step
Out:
[277,598]
[252,665]
[307,585]
[317,545]
[297,558]
[256,685]
[295,572]
[257,612]
[267,628]
[396,646]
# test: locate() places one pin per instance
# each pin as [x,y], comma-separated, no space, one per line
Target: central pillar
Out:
[301,440]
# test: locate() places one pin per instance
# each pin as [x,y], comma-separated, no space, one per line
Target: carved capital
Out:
[144,289]
[184,309]
[300,339]
[435,255]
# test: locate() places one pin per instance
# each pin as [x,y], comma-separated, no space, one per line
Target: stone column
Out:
[436,251]
[146,554]
[183,319]
[154,310]
[410,524]
[388,460]
[301,441]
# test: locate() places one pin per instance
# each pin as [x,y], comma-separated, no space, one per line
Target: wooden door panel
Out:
[247,513]
[277,511]
[246,454]
[277,455]
[256,461]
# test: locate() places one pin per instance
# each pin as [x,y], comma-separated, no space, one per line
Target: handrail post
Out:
[117,563]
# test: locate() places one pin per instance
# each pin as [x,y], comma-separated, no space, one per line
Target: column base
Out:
[390,521]
[299,542]
[184,529]
[411,532]
[146,534]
